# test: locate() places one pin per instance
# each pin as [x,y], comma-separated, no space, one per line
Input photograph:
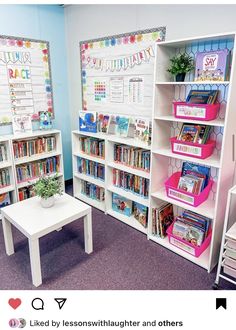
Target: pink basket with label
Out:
[196,111]
[173,192]
[186,246]
[195,150]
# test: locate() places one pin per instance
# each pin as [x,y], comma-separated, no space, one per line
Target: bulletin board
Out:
[118,72]
[25,78]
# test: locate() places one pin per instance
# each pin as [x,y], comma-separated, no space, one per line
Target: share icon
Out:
[60,301]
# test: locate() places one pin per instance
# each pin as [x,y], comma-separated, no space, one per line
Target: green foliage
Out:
[181,63]
[48,186]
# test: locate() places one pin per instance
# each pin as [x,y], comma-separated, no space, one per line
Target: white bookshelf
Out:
[165,126]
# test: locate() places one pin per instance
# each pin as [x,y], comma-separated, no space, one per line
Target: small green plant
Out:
[181,63]
[48,186]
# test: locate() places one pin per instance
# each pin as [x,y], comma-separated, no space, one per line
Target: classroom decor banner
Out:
[118,71]
[25,78]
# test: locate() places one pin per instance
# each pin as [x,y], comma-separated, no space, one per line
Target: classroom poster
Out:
[122,66]
[25,78]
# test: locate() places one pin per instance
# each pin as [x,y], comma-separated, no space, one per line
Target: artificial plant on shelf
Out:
[46,188]
[179,65]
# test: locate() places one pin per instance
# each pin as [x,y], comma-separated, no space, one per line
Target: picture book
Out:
[140,213]
[188,184]
[88,121]
[189,233]
[203,134]
[121,204]
[142,130]
[166,217]
[212,65]
[198,171]
[122,126]
[5,200]
[21,124]
[202,96]
[189,133]
[103,123]
[45,120]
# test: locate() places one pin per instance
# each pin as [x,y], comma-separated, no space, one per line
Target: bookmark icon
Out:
[60,301]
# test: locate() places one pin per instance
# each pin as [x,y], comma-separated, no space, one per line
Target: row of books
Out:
[92,146]
[5,178]
[131,182]
[92,191]
[25,193]
[92,168]
[130,156]
[162,218]
[5,199]
[27,148]
[127,207]
[194,133]
[120,125]
[36,169]
[192,227]
[199,96]
[3,153]
[194,178]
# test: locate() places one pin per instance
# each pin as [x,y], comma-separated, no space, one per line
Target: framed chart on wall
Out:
[25,78]
[118,71]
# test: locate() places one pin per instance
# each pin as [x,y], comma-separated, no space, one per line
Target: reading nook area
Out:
[147,164]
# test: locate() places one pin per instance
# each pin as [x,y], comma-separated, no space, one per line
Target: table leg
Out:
[8,238]
[88,235]
[35,262]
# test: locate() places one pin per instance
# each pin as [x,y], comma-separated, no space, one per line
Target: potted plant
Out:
[180,65]
[46,188]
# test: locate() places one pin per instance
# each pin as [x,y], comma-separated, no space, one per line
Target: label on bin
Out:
[181,196]
[190,150]
[182,246]
[187,111]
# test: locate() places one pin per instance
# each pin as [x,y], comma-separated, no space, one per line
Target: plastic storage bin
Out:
[229,252]
[186,246]
[173,192]
[196,111]
[195,150]
[229,261]
[229,270]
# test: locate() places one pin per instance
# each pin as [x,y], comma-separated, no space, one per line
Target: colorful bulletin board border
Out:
[118,64]
[15,53]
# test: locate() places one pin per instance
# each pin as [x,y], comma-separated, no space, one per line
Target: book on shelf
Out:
[26,192]
[194,133]
[89,167]
[4,178]
[88,121]
[92,146]
[21,124]
[122,126]
[3,153]
[212,65]
[162,218]
[140,213]
[142,131]
[92,191]
[45,120]
[28,148]
[5,199]
[103,123]
[121,204]
[198,96]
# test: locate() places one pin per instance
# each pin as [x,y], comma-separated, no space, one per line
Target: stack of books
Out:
[162,218]
[3,153]
[92,146]
[89,167]
[194,133]
[92,191]
[197,96]
[27,148]
[4,178]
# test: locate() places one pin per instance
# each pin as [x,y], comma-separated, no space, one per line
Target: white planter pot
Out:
[49,202]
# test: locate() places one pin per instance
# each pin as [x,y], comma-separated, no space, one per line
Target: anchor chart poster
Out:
[25,78]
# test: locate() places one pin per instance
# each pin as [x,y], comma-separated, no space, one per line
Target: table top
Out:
[35,221]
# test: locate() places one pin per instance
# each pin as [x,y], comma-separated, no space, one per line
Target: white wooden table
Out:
[34,222]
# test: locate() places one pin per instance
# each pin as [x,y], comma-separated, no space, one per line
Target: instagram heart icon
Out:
[14,303]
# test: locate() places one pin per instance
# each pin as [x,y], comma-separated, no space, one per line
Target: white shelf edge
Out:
[33,181]
[129,169]
[129,195]
[89,178]
[215,122]
[7,189]
[131,221]
[206,209]
[212,161]
[202,260]
[30,159]
[5,164]
[90,201]
[192,82]
[89,157]
[34,134]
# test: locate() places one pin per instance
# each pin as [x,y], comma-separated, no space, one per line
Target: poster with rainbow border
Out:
[25,78]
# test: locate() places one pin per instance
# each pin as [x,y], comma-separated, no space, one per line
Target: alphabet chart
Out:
[25,78]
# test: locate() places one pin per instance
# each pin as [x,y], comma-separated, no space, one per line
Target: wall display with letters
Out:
[117,72]
[25,78]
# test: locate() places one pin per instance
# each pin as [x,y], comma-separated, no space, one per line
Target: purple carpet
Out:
[123,259]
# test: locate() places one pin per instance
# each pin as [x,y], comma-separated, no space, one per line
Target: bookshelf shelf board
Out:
[7,189]
[202,260]
[216,122]
[90,178]
[89,157]
[131,221]
[206,209]
[128,141]
[90,201]
[32,158]
[192,83]
[5,164]
[129,195]
[94,135]
[129,169]
[33,181]
[36,133]
[213,160]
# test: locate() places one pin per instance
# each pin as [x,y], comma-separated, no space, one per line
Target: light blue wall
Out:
[45,22]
